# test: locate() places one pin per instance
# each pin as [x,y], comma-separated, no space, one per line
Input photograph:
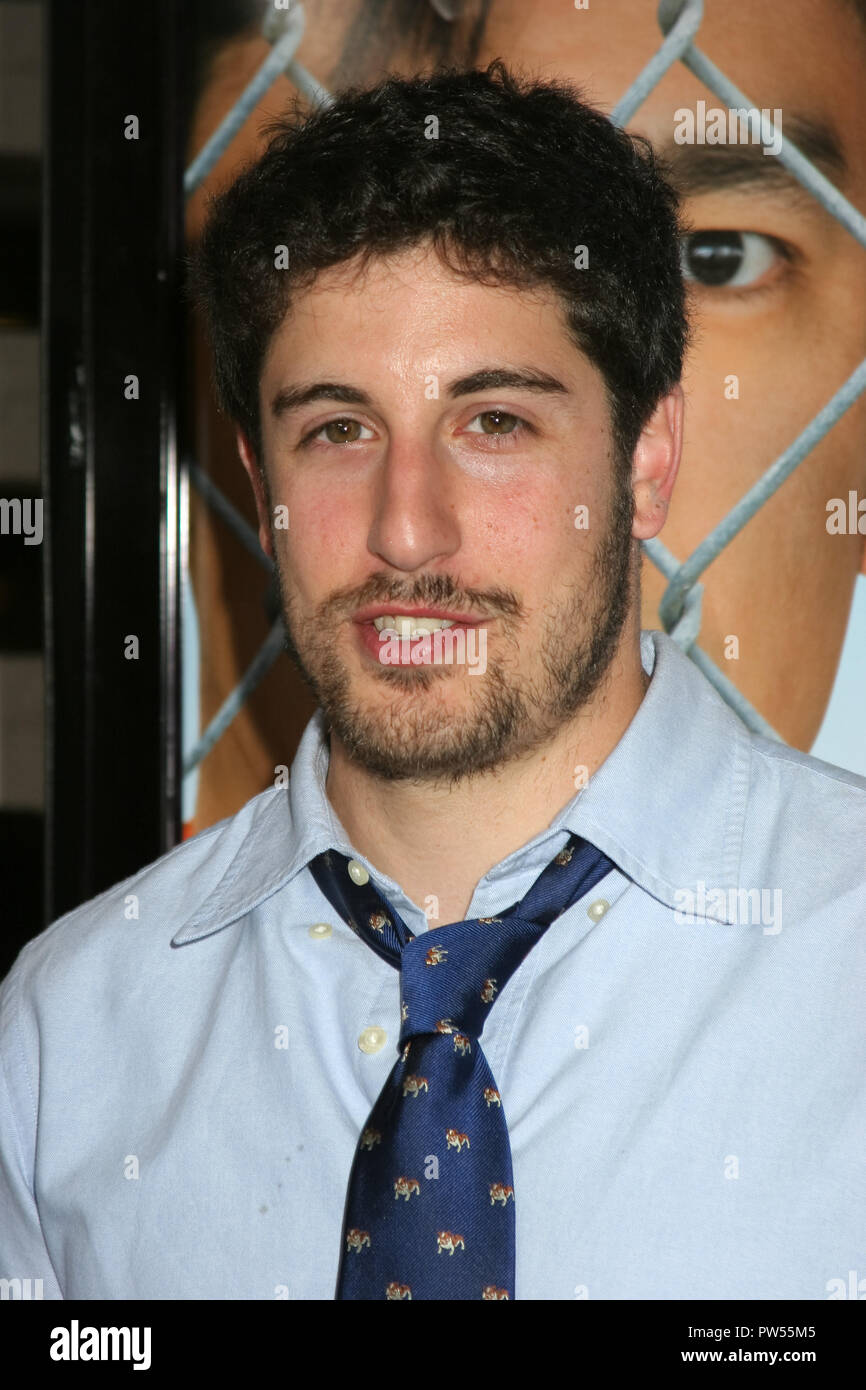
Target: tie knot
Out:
[451,977]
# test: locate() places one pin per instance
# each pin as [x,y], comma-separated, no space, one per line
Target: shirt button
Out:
[357,873]
[597,909]
[321,929]
[372,1039]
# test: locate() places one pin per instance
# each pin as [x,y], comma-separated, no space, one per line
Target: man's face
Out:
[789,323]
[463,501]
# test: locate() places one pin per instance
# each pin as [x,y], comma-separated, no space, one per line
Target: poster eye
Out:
[727,259]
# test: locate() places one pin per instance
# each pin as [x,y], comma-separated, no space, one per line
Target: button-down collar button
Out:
[597,909]
[321,929]
[357,873]
[372,1039]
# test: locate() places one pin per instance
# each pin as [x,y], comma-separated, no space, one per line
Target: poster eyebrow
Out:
[699,168]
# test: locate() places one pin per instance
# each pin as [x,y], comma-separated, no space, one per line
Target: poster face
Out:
[776,284]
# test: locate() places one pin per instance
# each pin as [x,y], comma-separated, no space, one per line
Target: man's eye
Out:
[502,421]
[727,259]
[348,431]
[340,431]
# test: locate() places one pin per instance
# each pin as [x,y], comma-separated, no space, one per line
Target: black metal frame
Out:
[112,278]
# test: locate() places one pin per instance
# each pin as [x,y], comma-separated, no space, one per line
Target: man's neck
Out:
[439,841]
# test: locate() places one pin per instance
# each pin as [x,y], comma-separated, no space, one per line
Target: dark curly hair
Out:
[522,173]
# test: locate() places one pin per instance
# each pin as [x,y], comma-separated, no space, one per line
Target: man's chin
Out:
[392,760]
[423,724]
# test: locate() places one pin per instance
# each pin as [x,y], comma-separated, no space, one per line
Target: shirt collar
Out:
[667,805]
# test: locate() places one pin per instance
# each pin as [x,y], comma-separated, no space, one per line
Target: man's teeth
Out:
[406,626]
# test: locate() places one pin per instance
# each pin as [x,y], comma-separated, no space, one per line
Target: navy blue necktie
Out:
[430,1205]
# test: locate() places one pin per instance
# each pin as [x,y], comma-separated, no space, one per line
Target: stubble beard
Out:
[415,733]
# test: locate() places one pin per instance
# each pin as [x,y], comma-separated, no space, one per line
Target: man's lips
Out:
[372,640]
[366,615]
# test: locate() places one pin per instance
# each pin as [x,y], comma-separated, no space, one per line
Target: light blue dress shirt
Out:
[680,1057]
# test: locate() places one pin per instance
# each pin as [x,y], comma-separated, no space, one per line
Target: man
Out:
[777,288]
[621,1055]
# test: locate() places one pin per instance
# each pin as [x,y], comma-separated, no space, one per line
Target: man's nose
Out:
[415,506]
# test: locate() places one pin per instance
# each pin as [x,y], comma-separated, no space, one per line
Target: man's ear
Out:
[655,464]
[250,463]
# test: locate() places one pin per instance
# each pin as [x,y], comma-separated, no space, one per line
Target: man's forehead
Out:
[417,292]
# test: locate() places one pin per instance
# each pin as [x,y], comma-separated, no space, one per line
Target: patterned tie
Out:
[430,1205]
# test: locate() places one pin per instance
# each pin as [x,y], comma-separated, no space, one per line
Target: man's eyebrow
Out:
[292,398]
[506,379]
[696,169]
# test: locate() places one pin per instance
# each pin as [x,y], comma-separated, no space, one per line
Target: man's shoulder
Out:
[778,764]
[132,923]
[810,811]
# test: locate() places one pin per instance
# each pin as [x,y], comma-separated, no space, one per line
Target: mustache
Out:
[428,591]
